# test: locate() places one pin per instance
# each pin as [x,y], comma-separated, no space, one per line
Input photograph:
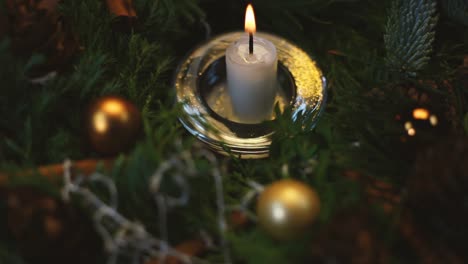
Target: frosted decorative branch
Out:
[121,236]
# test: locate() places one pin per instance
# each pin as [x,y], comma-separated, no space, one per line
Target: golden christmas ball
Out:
[286,208]
[112,125]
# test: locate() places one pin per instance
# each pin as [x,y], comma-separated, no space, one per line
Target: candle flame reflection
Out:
[250,26]
[420,113]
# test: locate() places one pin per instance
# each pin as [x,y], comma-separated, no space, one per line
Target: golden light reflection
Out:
[411,132]
[293,196]
[100,122]
[408,125]
[278,212]
[433,120]
[420,113]
[112,106]
[250,26]
[305,72]
[116,108]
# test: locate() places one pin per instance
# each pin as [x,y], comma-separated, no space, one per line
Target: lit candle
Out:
[251,65]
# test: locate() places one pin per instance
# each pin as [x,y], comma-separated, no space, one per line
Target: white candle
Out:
[251,77]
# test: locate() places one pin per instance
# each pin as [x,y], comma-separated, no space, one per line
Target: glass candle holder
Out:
[200,86]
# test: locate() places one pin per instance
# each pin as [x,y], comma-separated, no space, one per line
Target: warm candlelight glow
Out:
[250,26]
[420,113]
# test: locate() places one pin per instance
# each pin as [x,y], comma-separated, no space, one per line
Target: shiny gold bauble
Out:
[112,125]
[287,208]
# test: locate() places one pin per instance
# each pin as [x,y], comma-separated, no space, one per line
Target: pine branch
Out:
[410,34]
[457,10]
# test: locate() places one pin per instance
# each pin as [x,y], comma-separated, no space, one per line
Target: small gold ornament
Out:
[113,125]
[286,208]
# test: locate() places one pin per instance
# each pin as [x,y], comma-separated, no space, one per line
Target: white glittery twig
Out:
[121,236]
[184,164]
[252,193]
[165,202]
[219,202]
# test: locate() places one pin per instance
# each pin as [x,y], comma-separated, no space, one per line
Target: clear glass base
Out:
[200,84]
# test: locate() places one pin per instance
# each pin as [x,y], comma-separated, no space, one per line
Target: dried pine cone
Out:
[35,26]
[437,198]
[48,231]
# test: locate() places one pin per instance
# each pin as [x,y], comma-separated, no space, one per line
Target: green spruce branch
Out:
[410,34]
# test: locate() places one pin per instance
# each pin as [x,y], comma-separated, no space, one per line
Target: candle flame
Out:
[250,26]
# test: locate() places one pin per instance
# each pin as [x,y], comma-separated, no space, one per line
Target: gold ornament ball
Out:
[112,125]
[286,208]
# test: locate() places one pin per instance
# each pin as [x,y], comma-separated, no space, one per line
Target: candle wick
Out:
[250,43]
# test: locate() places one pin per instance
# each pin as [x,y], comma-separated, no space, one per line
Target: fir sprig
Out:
[409,34]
